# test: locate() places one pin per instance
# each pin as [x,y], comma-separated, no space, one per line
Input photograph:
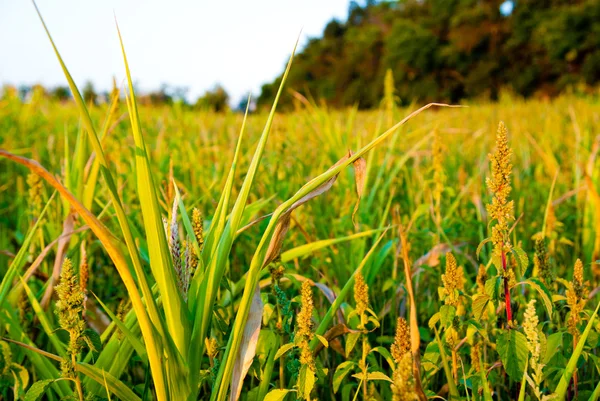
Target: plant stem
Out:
[76,378]
[506,291]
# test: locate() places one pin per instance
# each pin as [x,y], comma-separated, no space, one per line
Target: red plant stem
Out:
[506,291]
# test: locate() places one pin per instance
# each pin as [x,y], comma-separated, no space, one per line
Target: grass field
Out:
[194,255]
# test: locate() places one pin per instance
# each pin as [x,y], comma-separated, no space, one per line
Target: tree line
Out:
[216,99]
[448,50]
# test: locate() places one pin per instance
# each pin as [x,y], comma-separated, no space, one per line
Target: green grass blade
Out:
[116,201]
[113,384]
[135,342]
[216,266]
[328,318]
[43,319]
[19,260]
[218,222]
[176,313]
[563,384]
[307,249]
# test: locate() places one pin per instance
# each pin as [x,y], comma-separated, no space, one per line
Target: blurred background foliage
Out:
[450,50]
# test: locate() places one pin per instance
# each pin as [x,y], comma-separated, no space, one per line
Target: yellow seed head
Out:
[212,348]
[69,309]
[533,344]
[401,343]
[304,318]
[198,226]
[306,355]
[475,355]
[403,385]
[70,297]
[361,295]
[541,262]
[452,337]
[576,295]
[530,327]
[453,281]
[501,209]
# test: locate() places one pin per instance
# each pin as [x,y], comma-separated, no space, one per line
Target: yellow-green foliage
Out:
[311,340]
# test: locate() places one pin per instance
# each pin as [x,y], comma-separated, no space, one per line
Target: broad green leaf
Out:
[284,349]
[447,313]
[493,287]
[386,354]
[342,371]
[351,341]
[276,395]
[553,343]
[37,390]
[92,339]
[306,382]
[434,319]
[21,376]
[522,261]
[323,340]
[480,303]
[378,376]
[512,348]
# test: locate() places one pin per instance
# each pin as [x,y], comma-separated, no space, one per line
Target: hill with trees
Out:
[448,50]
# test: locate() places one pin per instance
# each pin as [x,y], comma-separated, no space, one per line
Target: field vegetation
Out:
[402,253]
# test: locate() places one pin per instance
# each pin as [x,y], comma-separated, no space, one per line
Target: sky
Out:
[196,44]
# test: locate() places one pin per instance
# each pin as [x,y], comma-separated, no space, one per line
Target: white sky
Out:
[238,43]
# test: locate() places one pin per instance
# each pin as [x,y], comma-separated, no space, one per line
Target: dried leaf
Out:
[360,169]
[248,350]
[63,245]
[331,334]
[283,224]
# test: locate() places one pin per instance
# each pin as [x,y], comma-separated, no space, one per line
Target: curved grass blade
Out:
[307,249]
[112,189]
[216,266]
[152,310]
[108,381]
[176,313]
[135,342]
